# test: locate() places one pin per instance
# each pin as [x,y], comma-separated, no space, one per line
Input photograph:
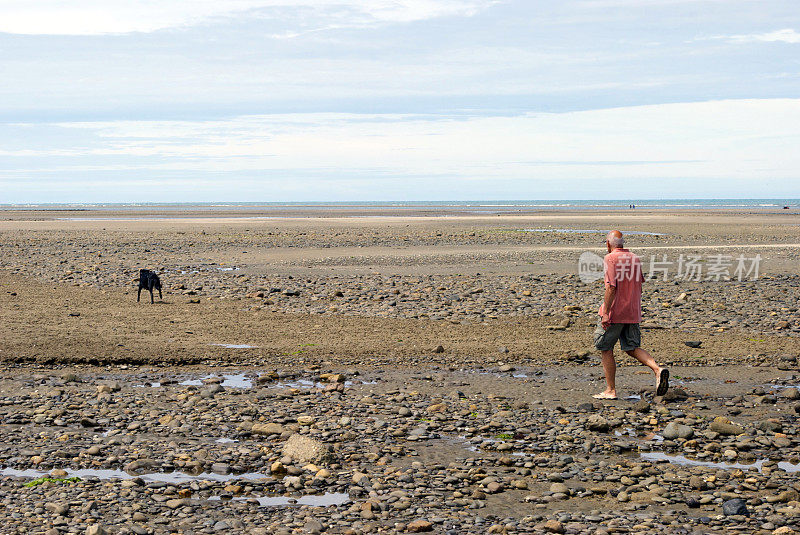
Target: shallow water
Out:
[239,380]
[236,346]
[313,500]
[169,477]
[300,383]
[629,432]
[682,460]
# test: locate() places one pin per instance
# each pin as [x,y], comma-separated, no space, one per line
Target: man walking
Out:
[620,315]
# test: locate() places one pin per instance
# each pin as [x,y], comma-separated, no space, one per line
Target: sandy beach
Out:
[386,371]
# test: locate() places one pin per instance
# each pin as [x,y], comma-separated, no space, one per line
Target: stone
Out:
[595,422]
[697,482]
[437,407]
[95,529]
[675,430]
[418,526]
[676,394]
[306,449]
[438,349]
[791,393]
[140,464]
[313,526]
[695,344]
[221,468]
[494,487]
[267,429]
[559,488]
[641,406]
[736,506]
[277,468]
[176,503]
[554,526]
[210,390]
[332,377]
[770,426]
[725,428]
[57,508]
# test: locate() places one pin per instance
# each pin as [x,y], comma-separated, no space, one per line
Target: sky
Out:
[337,100]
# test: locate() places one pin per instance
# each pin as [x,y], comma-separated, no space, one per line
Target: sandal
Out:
[662,384]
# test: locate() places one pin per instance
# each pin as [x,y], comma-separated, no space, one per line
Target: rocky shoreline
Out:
[355,377]
[343,451]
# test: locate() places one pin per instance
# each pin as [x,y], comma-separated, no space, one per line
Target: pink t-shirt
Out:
[623,269]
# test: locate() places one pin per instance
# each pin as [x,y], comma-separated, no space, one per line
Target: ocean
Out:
[493,206]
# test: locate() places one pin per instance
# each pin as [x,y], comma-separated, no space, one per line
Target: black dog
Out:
[149,281]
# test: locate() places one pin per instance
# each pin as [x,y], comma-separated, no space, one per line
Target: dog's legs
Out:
[151,296]
[139,294]
[161,297]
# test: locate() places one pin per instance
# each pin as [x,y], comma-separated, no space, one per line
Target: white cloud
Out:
[742,139]
[787,35]
[98,17]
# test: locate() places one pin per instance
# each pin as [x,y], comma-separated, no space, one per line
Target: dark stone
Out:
[693,343]
[736,506]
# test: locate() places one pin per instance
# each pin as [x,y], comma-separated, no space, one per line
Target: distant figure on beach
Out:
[620,315]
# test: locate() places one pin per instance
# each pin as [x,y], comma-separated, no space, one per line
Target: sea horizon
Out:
[719,203]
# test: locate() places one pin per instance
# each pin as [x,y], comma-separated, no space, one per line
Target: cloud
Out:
[787,35]
[99,17]
[703,140]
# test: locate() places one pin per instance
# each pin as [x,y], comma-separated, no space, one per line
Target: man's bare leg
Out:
[662,374]
[610,371]
[645,358]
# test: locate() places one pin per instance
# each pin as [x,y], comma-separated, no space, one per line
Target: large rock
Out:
[306,449]
[597,423]
[675,430]
[736,506]
[724,428]
[791,393]
[676,394]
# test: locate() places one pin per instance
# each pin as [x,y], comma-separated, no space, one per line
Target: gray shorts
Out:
[628,334]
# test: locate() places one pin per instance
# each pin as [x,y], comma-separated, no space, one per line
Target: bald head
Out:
[614,239]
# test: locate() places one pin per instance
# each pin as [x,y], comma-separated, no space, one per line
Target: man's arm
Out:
[608,300]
